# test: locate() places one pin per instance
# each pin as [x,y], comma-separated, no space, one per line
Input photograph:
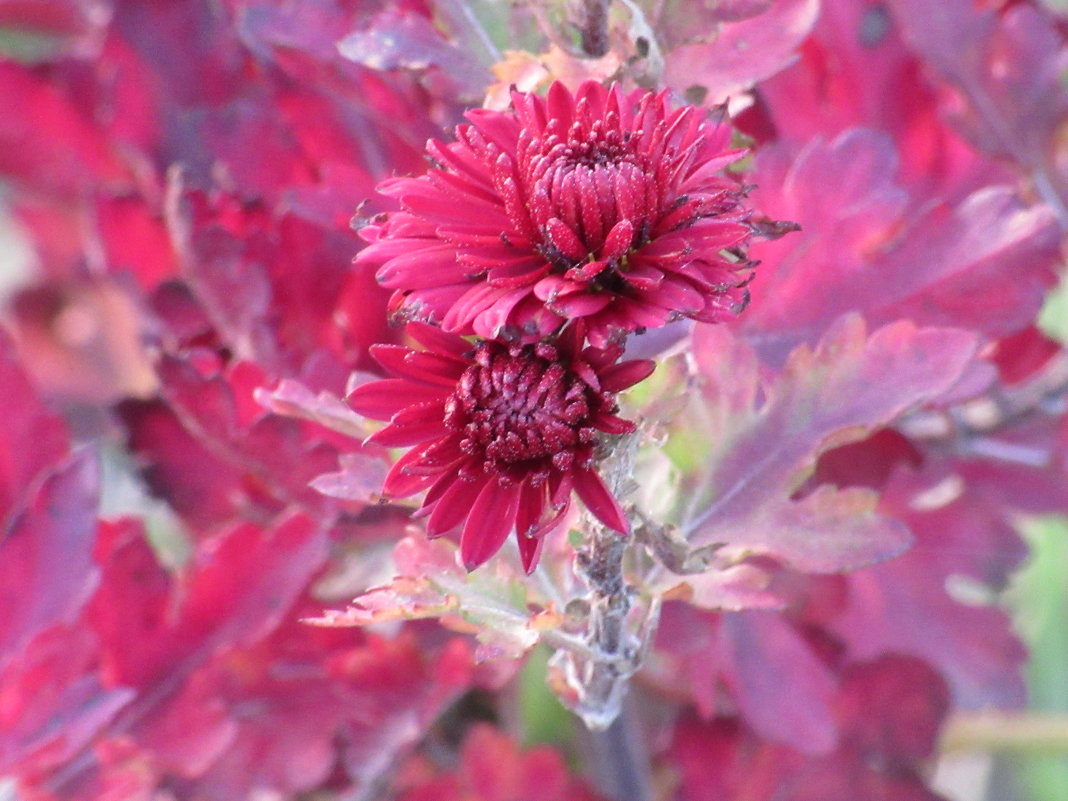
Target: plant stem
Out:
[1018,733]
[620,760]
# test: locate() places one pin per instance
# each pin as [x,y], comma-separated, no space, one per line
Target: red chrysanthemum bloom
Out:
[502,432]
[605,206]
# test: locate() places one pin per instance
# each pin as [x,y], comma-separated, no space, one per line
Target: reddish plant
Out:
[605,206]
[785,533]
[504,433]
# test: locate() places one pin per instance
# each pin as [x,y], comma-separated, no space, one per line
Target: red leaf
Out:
[32,439]
[46,570]
[239,586]
[983,263]
[51,703]
[761,454]
[742,52]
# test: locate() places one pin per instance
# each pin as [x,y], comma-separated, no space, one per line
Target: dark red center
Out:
[517,404]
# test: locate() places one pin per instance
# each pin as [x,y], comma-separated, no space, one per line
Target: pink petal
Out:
[529,551]
[399,483]
[580,304]
[490,322]
[610,424]
[619,240]
[565,239]
[521,272]
[441,342]
[552,285]
[453,506]
[642,275]
[475,299]
[426,368]
[601,503]
[533,502]
[675,296]
[491,518]
[420,412]
[626,374]
[587,271]
[421,268]
[403,435]
[560,105]
[380,400]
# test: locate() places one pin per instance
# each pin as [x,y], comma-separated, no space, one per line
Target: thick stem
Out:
[616,643]
[601,682]
[594,29]
[620,760]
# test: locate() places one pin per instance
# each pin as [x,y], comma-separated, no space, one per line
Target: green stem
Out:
[1019,733]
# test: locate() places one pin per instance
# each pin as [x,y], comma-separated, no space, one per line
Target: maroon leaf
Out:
[492,768]
[782,689]
[32,439]
[1007,68]
[723,758]
[851,383]
[906,605]
[46,569]
[742,52]
[983,263]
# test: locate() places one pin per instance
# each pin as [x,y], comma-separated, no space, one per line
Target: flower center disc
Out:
[516,404]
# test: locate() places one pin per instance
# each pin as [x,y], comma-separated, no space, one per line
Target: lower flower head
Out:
[501,434]
[607,206]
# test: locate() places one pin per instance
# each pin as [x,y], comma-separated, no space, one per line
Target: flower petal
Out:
[453,507]
[624,375]
[601,503]
[382,399]
[491,519]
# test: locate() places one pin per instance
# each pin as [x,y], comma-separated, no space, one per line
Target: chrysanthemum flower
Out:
[501,432]
[605,206]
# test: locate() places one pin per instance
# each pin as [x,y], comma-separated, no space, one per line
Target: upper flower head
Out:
[606,206]
[502,433]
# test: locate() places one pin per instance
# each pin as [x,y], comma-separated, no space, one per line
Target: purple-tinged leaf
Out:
[360,479]
[46,566]
[741,53]
[983,263]
[1007,67]
[399,39]
[781,687]
[760,453]
[908,606]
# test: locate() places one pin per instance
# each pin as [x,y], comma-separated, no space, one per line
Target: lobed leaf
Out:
[741,52]
[982,263]
[761,452]
[492,602]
